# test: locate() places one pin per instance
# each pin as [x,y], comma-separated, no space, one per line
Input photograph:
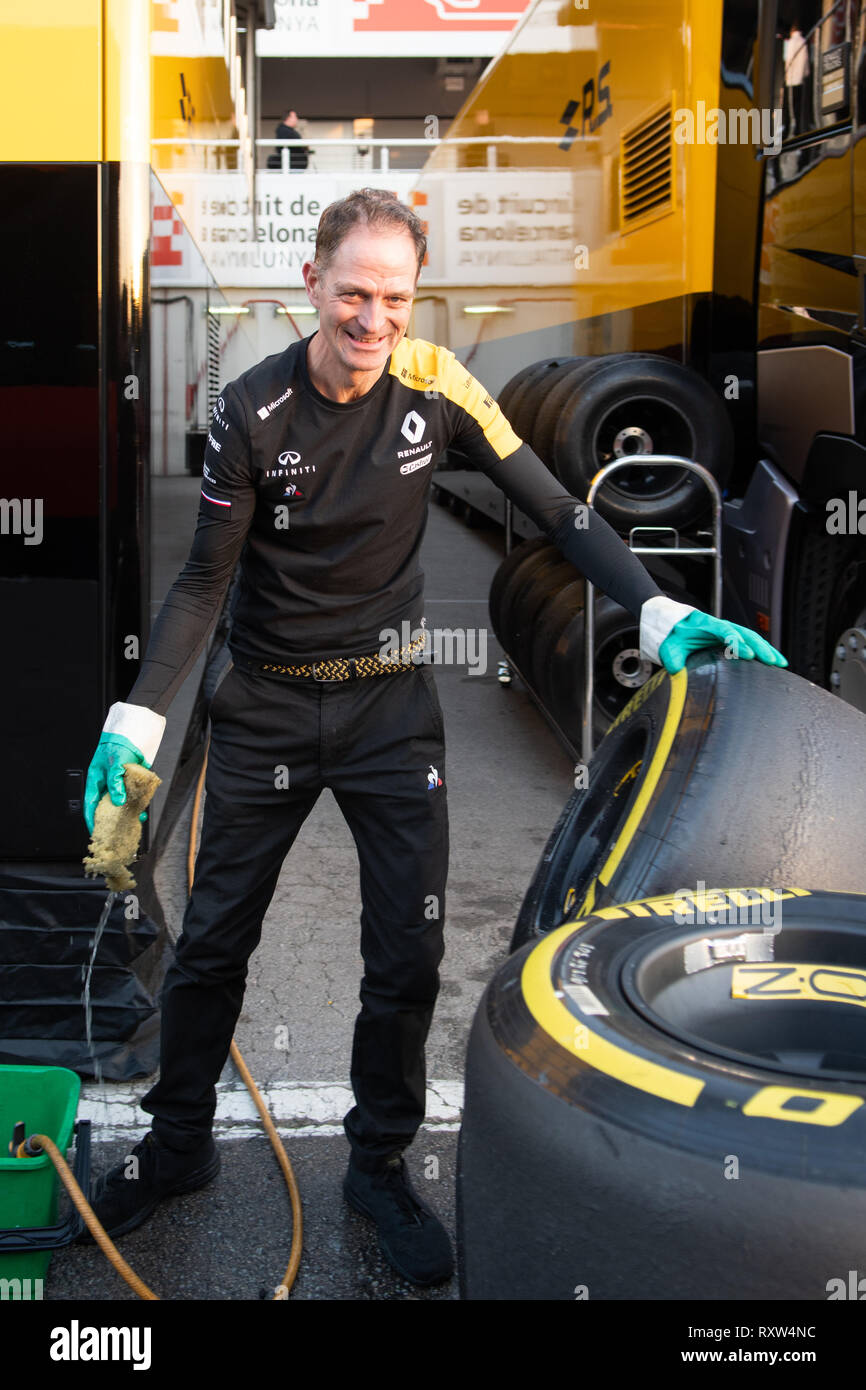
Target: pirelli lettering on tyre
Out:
[827,984]
[803,1107]
[557,982]
[643,694]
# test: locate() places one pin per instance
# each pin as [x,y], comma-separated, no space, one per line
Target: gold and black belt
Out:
[345,668]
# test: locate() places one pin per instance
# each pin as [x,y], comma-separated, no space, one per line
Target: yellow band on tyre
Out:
[678,685]
[582,1041]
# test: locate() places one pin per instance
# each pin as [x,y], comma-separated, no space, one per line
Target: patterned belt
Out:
[339,668]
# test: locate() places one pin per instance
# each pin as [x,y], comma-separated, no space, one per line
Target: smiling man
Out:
[362,287]
[317,477]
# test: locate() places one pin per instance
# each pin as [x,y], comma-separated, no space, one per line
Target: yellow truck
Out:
[678,190]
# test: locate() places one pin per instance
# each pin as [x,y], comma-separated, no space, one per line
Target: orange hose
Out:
[97,1230]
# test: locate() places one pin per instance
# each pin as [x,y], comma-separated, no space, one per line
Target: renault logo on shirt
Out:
[413,427]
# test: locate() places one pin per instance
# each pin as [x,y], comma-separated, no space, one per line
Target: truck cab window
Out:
[813,65]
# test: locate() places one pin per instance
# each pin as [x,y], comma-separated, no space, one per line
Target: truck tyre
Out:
[828,597]
[729,771]
[667,1100]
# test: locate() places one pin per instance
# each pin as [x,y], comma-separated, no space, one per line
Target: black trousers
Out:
[377,742]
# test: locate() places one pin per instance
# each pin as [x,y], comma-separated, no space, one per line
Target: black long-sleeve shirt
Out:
[326,504]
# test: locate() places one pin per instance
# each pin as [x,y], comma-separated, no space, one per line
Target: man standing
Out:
[298,154]
[795,56]
[318,469]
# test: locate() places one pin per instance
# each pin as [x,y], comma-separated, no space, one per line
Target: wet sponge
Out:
[117,829]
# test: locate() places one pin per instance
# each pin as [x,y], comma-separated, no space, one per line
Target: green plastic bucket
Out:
[46,1099]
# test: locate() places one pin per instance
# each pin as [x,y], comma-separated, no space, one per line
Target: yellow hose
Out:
[97,1230]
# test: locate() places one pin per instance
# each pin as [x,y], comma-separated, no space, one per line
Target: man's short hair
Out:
[372,207]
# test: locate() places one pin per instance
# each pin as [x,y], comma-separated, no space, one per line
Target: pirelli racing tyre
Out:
[542,584]
[499,601]
[643,405]
[508,397]
[619,670]
[525,400]
[660,1105]
[729,771]
[541,388]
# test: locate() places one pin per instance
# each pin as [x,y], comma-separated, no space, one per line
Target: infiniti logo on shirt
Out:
[288,457]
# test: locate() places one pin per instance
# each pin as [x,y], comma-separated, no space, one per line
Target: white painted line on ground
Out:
[297,1108]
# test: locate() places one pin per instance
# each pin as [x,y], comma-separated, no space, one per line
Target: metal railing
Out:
[218,151]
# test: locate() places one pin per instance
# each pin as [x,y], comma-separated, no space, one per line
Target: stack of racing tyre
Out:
[666,1081]
[579,414]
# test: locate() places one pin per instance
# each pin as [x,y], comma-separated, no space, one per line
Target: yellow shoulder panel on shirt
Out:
[423,366]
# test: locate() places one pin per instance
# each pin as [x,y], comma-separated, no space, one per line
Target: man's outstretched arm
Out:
[669,631]
[134,727]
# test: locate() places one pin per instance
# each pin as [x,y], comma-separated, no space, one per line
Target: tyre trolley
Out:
[673,548]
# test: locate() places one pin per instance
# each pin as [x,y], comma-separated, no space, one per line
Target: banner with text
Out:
[388,28]
[484,227]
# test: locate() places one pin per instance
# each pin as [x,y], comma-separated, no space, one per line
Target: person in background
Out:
[298,154]
[796,59]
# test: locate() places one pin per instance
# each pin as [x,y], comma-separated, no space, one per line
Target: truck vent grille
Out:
[646,169]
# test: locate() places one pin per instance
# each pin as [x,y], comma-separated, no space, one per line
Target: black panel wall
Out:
[73,520]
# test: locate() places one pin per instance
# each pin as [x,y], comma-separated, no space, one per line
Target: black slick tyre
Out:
[667,1100]
[729,771]
[626,406]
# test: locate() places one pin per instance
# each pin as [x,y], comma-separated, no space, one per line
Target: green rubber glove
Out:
[699,630]
[105,774]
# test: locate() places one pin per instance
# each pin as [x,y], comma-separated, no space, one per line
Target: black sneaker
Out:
[411,1238]
[123,1200]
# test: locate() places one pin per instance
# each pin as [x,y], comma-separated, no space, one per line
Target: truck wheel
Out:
[667,1100]
[632,407]
[729,771]
[828,598]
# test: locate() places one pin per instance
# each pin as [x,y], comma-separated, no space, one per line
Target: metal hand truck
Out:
[715,551]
